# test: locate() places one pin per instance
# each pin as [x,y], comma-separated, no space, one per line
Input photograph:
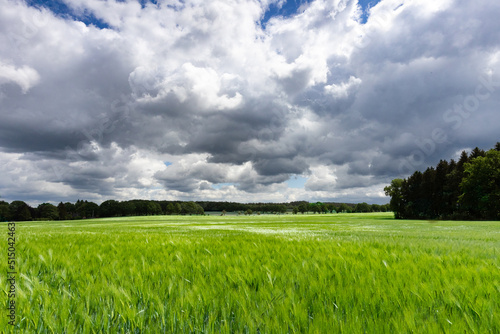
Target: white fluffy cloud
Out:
[25,77]
[201,100]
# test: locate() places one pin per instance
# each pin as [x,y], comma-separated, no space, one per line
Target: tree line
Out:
[468,189]
[21,211]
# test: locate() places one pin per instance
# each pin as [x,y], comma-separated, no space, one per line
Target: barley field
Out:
[338,273]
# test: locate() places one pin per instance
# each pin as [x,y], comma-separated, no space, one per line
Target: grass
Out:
[341,273]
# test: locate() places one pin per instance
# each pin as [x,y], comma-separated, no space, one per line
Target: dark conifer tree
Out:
[467,189]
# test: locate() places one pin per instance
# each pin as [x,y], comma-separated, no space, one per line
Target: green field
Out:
[340,273]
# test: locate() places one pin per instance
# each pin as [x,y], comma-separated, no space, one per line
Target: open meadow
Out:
[335,273]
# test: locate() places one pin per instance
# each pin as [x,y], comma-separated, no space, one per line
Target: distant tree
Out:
[303,207]
[154,208]
[375,208]
[321,207]
[20,211]
[344,208]
[248,212]
[331,208]
[48,211]
[177,208]
[78,204]
[192,208]
[62,213]
[313,207]
[4,211]
[70,210]
[110,208]
[173,208]
[87,210]
[170,209]
[362,207]
[385,208]
[295,210]
[281,208]
[126,208]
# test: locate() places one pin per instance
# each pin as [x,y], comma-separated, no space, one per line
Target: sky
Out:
[240,100]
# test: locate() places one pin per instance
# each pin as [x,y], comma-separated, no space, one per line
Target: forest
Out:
[467,189]
[21,211]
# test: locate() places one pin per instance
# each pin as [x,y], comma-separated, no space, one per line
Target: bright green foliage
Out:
[341,273]
[394,191]
[344,208]
[481,186]
[192,208]
[363,207]
[467,189]
[303,207]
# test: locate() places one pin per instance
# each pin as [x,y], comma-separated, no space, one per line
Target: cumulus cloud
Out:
[25,77]
[237,107]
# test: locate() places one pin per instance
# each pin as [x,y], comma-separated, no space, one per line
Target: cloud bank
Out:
[203,100]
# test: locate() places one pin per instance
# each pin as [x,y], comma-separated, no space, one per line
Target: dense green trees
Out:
[191,208]
[467,189]
[481,186]
[48,211]
[303,207]
[344,208]
[110,208]
[363,207]
[19,210]
[395,192]
[4,211]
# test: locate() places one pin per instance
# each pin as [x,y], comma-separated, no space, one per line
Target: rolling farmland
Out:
[338,273]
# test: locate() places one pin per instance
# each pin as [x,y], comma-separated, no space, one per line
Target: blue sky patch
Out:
[366,5]
[296,181]
[59,8]
[289,8]
[221,185]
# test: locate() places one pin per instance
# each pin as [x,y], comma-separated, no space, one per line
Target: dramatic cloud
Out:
[229,100]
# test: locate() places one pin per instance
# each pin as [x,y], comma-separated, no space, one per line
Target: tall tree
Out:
[20,211]
[87,210]
[4,211]
[362,207]
[395,192]
[110,208]
[154,208]
[62,212]
[481,186]
[465,189]
[48,211]
[303,207]
[344,208]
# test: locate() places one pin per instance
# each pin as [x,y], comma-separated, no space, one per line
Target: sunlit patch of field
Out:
[349,273]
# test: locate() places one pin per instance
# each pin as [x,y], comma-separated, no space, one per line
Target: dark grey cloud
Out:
[97,112]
